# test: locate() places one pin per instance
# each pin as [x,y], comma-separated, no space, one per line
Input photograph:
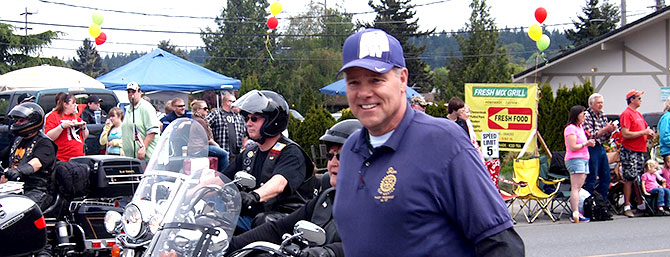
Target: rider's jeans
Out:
[663,198]
[218,152]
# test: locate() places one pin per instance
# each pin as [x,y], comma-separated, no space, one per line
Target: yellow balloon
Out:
[275,8]
[535,32]
[94,30]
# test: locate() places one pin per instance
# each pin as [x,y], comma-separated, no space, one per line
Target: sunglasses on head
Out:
[330,156]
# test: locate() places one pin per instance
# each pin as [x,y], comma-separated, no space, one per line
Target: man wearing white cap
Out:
[140,125]
[399,198]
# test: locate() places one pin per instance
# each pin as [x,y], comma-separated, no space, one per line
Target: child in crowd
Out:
[650,186]
[111,134]
[666,172]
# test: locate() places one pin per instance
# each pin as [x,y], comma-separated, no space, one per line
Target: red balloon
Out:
[540,14]
[272,22]
[101,39]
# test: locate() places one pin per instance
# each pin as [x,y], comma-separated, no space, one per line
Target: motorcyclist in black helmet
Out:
[284,172]
[318,210]
[31,156]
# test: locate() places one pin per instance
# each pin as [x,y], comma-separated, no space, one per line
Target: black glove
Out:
[12,173]
[249,199]
[317,252]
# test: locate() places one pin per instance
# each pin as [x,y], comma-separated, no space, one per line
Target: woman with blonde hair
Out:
[200,109]
[111,134]
[66,128]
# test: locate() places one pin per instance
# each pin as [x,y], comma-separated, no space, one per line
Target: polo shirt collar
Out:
[394,141]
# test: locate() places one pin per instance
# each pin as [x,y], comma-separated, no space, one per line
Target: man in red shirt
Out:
[634,145]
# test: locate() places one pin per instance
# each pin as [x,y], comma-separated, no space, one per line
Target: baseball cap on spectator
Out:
[93,99]
[372,49]
[633,93]
[133,86]
[25,97]
[417,99]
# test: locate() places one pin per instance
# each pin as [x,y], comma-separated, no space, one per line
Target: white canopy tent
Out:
[45,76]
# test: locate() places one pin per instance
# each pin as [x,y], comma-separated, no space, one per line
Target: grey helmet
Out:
[339,132]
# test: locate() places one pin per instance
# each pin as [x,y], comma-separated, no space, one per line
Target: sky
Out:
[72,18]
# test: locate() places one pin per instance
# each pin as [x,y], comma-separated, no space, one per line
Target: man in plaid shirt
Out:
[229,128]
[597,127]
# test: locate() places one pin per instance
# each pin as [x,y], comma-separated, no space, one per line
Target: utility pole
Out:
[623,13]
[25,26]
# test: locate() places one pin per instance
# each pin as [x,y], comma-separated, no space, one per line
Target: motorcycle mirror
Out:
[245,179]
[310,232]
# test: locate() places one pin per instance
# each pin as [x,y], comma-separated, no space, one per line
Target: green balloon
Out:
[543,43]
[98,18]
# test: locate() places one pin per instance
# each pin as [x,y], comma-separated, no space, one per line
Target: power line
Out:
[224,20]
[259,34]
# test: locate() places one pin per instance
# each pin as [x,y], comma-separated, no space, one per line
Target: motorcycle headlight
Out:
[154,223]
[132,221]
[111,221]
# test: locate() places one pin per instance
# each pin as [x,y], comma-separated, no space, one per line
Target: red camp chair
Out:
[494,169]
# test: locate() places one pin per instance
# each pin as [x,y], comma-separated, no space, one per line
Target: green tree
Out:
[395,17]
[314,59]
[237,46]
[88,60]
[167,46]
[249,83]
[317,121]
[484,58]
[594,22]
[16,50]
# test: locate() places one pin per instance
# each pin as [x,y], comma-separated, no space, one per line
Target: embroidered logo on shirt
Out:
[387,186]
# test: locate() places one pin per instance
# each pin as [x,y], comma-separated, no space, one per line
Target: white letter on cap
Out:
[373,44]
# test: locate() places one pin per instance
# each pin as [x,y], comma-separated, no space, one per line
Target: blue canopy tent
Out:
[163,71]
[340,88]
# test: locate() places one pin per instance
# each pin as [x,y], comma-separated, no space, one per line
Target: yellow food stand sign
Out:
[510,109]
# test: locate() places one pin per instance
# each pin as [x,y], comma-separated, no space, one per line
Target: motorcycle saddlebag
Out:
[22,226]
[111,175]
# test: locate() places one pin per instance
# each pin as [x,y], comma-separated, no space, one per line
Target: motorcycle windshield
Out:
[179,159]
[200,223]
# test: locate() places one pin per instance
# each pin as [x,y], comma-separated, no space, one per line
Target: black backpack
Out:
[72,179]
[597,208]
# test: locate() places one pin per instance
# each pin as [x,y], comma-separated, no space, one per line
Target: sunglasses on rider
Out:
[253,118]
[330,156]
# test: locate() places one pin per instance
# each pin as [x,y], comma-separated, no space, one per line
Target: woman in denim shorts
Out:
[576,157]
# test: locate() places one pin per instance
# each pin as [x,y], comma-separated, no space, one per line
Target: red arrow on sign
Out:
[513,118]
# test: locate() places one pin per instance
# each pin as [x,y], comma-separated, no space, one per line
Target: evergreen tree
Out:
[237,47]
[15,50]
[595,21]
[168,47]
[484,58]
[88,60]
[395,17]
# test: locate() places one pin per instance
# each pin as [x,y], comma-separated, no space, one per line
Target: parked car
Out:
[46,98]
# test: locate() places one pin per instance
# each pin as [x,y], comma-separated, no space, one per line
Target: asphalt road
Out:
[640,236]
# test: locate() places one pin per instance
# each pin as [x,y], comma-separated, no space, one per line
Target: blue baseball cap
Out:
[372,49]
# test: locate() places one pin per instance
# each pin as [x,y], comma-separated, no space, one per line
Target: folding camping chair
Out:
[494,169]
[528,171]
[557,170]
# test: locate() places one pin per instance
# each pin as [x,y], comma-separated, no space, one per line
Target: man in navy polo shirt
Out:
[399,198]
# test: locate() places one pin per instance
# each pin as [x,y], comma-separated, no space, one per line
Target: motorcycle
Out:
[22,225]
[172,206]
[305,234]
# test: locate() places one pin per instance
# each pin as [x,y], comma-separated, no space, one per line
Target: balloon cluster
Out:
[275,8]
[94,29]
[535,31]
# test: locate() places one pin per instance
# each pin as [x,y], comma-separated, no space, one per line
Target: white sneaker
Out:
[641,207]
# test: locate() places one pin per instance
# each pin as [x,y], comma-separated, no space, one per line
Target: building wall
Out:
[636,60]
